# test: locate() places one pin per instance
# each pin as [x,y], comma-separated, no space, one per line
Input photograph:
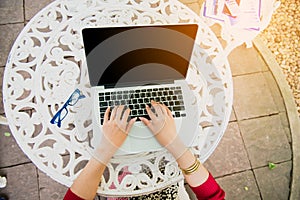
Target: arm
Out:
[115,130]
[86,184]
[201,181]
[163,127]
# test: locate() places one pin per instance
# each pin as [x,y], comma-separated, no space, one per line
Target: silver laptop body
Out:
[126,64]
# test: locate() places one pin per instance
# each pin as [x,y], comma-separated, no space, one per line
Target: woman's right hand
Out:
[162,125]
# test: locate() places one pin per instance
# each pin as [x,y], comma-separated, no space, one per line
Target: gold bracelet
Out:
[192,168]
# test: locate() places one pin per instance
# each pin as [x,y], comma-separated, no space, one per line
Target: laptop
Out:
[132,65]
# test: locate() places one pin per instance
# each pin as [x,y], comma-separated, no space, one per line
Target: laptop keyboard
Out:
[136,100]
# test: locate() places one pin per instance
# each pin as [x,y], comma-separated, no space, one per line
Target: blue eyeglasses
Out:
[62,113]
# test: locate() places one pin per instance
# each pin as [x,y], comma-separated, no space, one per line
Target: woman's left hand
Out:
[116,126]
[115,131]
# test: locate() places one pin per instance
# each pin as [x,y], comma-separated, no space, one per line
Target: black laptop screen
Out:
[138,55]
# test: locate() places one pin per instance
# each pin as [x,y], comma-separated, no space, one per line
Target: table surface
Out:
[47,63]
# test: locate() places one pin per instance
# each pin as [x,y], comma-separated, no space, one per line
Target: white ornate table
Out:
[47,63]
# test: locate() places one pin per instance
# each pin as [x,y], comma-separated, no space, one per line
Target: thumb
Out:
[130,124]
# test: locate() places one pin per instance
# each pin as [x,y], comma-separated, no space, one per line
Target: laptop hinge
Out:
[153,82]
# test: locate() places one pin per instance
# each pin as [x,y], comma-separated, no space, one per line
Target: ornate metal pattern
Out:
[47,63]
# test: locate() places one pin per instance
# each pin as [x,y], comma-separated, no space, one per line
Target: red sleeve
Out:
[209,190]
[71,196]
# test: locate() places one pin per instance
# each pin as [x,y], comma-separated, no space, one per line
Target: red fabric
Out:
[209,190]
[71,196]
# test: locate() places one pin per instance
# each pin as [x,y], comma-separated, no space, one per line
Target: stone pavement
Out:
[258,133]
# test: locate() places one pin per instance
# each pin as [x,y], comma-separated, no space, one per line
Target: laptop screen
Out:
[138,55]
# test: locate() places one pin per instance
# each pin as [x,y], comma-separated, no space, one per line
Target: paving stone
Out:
[194,7]
[1,85]
[22,182]
[265,140]
[190,192]
[252,97]
[8,34]
[232,116]
[216,28]
[274,184]
[286,126]
[276,94]
[244,60]
[32,7]
[240,186]
[10,152]
[50,189]
[11,11]
[230,156]
[188,1]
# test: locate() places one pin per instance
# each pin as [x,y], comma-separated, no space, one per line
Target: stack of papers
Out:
[244,14]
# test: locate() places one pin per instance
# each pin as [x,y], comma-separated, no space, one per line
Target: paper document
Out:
[244,14]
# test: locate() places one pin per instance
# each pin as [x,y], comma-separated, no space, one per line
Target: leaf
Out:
[7,134]
[271,165]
